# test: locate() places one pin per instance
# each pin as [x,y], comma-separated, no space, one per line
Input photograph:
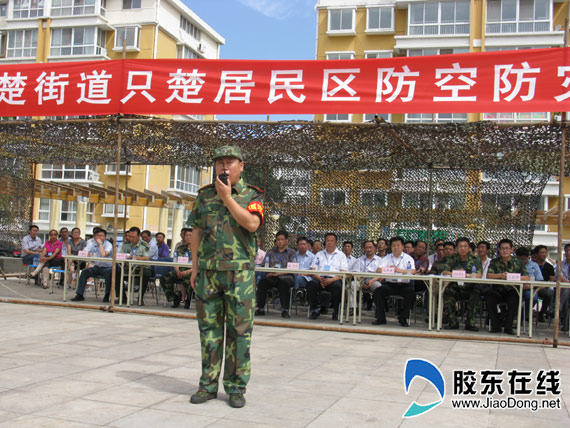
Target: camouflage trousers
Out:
[469,293]
[168,283]
[225,298]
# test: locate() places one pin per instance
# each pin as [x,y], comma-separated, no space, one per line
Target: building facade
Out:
[359,29]
[86,30]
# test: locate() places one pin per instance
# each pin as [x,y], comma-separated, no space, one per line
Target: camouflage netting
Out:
[358,180]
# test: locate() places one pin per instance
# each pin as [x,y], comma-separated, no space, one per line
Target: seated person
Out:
[409,247]
[163,248]
[545,293]
[468,292]
[565,292]
[98,246]
[50,257]
[305,259]
[433,258]
[64,238]
[351,261]
[180,276]
[498,269]
[146,236]
[402,263]
[75,244]
[370,263]
[381,248]
[440,262]
[483,248]
[317,246]
[139,250]
[329,259]
[279,256]
[523,254]
[31,246]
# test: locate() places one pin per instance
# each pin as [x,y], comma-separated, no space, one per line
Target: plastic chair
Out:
[52,274]
[29,269]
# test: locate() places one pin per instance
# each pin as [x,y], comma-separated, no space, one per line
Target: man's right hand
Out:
[193,279]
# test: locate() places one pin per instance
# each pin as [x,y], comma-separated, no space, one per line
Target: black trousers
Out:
[497,294]
[282,283]
[314,289]
[393,289]
[147,275]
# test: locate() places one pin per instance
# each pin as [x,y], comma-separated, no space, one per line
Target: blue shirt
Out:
[305,262]
[534,270]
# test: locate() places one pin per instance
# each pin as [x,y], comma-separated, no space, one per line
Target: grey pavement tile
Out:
[317,387]
[180,404]
[162,419]
[32,421]
[80,410]
[279,415]
[26,375]
[28,401]
[65,387]
[130,394]
[452,418]
[6,415]
[504,419]
[10,362]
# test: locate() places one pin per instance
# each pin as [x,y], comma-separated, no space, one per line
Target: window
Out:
[449,201]
[77,41]
[131,4]
[340,55]
[184,178]
[90,217]
[72,7]
[370,117]
[170,218]
[341,20]
[109,210]
[435,51]
[190,28]
[338,117]
[380,19]
[334,197]
[435,117]
[44,210]
[517,117]
[516,16]
[28,9]
[130,34]
[450,17]
[378,54]
[68,211]
[68,172]
[111,169]
[3,9]
[414,200]
[22,43]
[373,198]
[186,53]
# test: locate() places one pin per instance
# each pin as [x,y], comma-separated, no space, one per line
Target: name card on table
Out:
[513,276]
[458,274]
[389,270]
[122,256]
[182,260]
[293,266]
[83,254]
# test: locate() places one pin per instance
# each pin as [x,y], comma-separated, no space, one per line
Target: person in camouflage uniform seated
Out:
[468,292]
[225,218]
[439,265]
[180,276]
[139,250]
[498,269]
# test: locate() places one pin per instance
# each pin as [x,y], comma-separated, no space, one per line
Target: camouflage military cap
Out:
[227,151]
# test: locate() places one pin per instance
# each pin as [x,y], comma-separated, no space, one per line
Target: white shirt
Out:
[402,262]
[369,265]
[432,259]
[352,264]
[485,267]
[93,247]
[333,262]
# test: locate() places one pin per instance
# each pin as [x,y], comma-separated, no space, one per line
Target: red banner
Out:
[514,81]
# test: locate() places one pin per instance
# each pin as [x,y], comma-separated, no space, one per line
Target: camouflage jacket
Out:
[183,251]
[513,266]
[143,249]
[439,266]
[454,262]
[225,245]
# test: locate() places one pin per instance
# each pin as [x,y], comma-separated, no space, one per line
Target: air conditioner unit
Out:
[201,48]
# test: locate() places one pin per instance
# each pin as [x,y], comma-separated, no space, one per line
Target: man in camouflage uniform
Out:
[180,275]
[498,269]
[468,292]
[139,250]
[225,219]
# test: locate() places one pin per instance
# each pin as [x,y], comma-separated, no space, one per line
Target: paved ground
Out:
[74,368]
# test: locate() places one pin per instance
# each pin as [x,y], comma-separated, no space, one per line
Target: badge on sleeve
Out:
[257,208]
